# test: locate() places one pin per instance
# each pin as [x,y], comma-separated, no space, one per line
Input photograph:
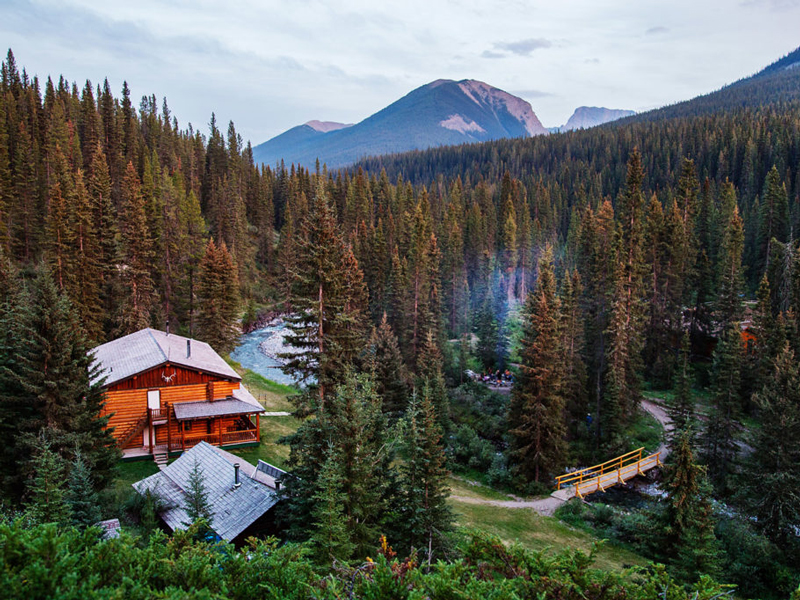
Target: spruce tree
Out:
[773,220]
[427,516]
[572,333]
[536,412]
[681,409]
[385,362]
[772,471]
[330,536]
[719,435]
[728,307]
[328,297]
[46,493]
[218,299]
[135,292]
[689,521]
[58,381]
[83,501]
[195,501]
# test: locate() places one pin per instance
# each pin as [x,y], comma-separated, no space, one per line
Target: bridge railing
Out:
[578,477]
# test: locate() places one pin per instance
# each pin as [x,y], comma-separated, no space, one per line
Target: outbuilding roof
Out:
[149,348]
[233,509]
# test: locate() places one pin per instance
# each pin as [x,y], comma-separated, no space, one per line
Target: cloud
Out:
[592,61]
[531,93]
[491,54]
[656,30]
[773,4]
[523,47]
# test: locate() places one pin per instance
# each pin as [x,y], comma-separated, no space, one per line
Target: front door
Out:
[153,403]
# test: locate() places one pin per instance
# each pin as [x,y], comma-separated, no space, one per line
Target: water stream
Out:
[257,351]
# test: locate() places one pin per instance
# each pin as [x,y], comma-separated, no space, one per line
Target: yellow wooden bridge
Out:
[605,475]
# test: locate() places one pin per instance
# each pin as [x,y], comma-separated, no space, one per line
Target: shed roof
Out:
[149,348]
[185,411]
[234,509]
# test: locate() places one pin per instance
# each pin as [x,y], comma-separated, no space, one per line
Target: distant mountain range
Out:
[591,116]
[440,113]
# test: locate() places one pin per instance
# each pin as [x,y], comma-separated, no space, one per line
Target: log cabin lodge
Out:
[166,393]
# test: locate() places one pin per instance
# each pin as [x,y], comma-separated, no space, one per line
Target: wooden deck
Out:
[605,475]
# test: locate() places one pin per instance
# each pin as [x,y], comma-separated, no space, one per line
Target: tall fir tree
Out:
[46,489]
[330,536]
[218,299]
[772,470]
[135,289]
[385,362]
[720,432]
[690,541]
[536,411]
[83,501]
[425,512]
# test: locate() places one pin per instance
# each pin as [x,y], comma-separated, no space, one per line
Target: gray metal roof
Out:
[205,409]
[234,509]
[149,348]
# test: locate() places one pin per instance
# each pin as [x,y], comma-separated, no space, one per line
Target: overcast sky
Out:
[271,64]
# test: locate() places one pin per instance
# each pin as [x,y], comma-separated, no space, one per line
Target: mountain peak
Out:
[591,116]
[326,126]
[443,112]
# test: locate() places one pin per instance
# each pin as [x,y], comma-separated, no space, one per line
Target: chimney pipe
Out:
[167,326]
[236,482]
[188,348]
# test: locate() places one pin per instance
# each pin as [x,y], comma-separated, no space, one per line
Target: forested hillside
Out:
[597,265]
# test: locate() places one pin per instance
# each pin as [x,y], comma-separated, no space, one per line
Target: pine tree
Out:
[772,472]
[218,299]
[330,537]
[46,492]
[427,516]
[689,521]
[81,498]
[536,412]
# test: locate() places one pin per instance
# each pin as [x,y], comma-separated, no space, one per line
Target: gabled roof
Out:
[149,348]
[234,509]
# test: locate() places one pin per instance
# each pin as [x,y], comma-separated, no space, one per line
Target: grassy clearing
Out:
[537,533]
[644,431]
[466,488]
[269,450]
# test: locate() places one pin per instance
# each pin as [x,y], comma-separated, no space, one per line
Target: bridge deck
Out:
[600,477]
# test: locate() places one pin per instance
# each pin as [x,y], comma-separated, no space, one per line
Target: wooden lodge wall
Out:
[126,401]
[164,376]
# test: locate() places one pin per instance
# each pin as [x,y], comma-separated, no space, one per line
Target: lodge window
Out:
[187,426]
[210,426]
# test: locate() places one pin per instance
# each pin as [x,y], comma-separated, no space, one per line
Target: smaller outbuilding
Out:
[241,497]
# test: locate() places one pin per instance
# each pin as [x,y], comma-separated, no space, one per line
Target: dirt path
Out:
[547,506]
